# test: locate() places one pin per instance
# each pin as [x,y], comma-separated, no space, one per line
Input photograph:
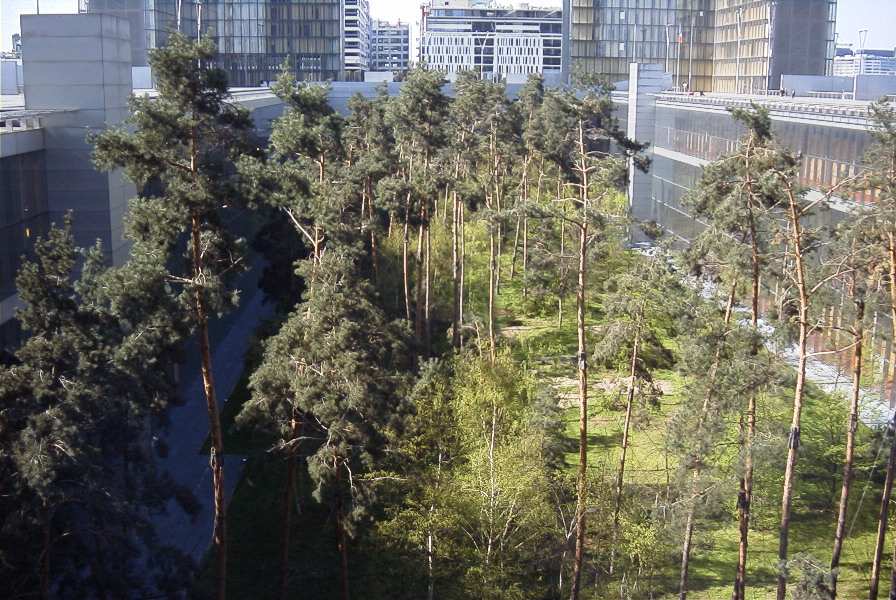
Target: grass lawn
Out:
[547,348]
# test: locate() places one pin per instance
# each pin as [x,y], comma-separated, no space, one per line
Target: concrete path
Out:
[189,427]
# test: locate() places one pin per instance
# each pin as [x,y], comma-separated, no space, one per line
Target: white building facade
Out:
[357,38]
[503,44]
[866,62]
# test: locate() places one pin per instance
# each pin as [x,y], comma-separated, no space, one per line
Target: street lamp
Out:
[863,36]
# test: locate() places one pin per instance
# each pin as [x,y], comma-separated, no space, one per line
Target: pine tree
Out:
[418,118]
[641,304]
[879,224]
[76,405]
[186,140]
[575,128]
[335,364]
[730,199]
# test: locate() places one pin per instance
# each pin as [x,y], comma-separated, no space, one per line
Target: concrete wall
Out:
[815,83]
[81,63]
[872,87]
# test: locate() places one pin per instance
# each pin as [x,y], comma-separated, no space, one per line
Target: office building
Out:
[864,62]
[499,43]
[253,37]
[707,45]
[390,46]
[357,39]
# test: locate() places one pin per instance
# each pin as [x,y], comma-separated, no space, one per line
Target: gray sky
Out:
[879,16]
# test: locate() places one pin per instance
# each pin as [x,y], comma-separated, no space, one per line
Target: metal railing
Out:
[11,124]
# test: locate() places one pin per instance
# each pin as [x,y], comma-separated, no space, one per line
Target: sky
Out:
[878,16]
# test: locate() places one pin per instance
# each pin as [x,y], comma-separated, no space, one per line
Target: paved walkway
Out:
[188,430]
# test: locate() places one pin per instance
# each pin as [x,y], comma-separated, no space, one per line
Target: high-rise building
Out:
[253,37]
[390,46]
[864,62]
[357,39]
[499,43]
[706,45]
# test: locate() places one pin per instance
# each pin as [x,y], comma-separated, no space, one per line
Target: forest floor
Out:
[547,348]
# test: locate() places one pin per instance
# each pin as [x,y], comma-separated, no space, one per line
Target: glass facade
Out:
[255,37]
[830,154]
[23,211]
[706,45]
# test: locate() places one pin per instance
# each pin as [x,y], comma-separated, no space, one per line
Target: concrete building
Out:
[707,45]
[78,80]
[499,43]
[357,38]
[864,62]
[390,46]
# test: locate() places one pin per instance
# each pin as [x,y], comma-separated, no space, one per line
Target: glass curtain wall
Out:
[607,35]
[255,37]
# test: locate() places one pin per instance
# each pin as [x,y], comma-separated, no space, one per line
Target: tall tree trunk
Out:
[581,485]
[620,474]
[799,390]
[341,538]
[686,543]
[374,254]
[427,330]
[419,285]
[850,439]
[695,481]
[516,245]
[216,452]
[582,359]
[884,514]
[404,258]
[745,484]
[492,277]
[287,512]
[45,554]
[463,259]
[455,275]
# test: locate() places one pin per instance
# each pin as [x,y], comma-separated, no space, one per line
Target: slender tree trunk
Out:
[404,259]
[883,518]
[45,554]
[884,514]
[695,481]
[620,474]
[799,390]
[427,332]
[341,538]
[492,277]
[374,254]
[463,258]
[745,487]
[850,440]
[419,286]
[216,452]
[686,543]
[582,359]
[455,275]
[287,512]
[516,245]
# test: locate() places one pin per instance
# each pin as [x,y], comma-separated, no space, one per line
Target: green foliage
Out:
[78,478]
